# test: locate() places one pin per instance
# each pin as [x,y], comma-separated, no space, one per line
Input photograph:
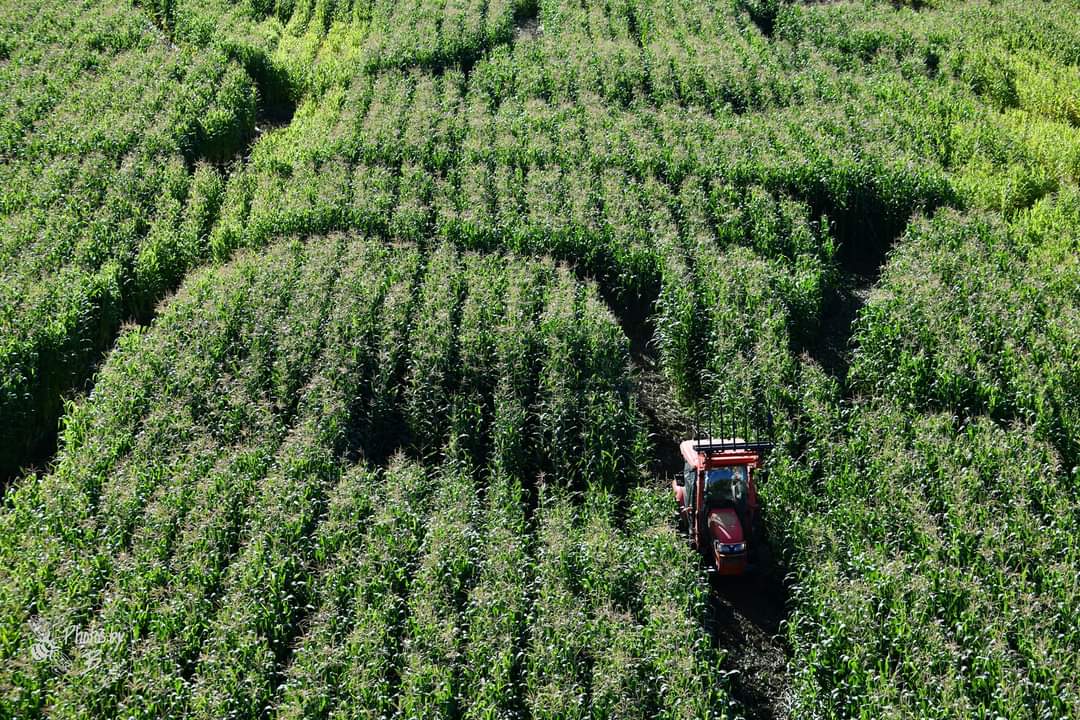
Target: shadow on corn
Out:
[831,347]
[864,245]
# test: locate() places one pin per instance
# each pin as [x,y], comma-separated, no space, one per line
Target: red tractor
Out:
[718,500]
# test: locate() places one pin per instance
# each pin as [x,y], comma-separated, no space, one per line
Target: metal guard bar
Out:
[709,447]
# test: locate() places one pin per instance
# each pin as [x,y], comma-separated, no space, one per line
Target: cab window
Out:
[726,485]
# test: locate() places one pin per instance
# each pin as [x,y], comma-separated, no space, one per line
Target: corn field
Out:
[344,345]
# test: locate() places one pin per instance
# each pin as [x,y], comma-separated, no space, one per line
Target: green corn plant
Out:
[496,606]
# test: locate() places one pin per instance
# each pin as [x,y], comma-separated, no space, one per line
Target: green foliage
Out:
[537,146]
[970,317]
[102,214]
[307,568]
[929,583]
[726,322]
[400,475]
[615,621]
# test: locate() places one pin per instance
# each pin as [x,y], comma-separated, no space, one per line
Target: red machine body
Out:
[717,498]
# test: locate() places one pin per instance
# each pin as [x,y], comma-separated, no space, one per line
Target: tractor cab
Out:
[717,498]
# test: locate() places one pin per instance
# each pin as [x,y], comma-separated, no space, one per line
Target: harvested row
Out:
[228,423]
